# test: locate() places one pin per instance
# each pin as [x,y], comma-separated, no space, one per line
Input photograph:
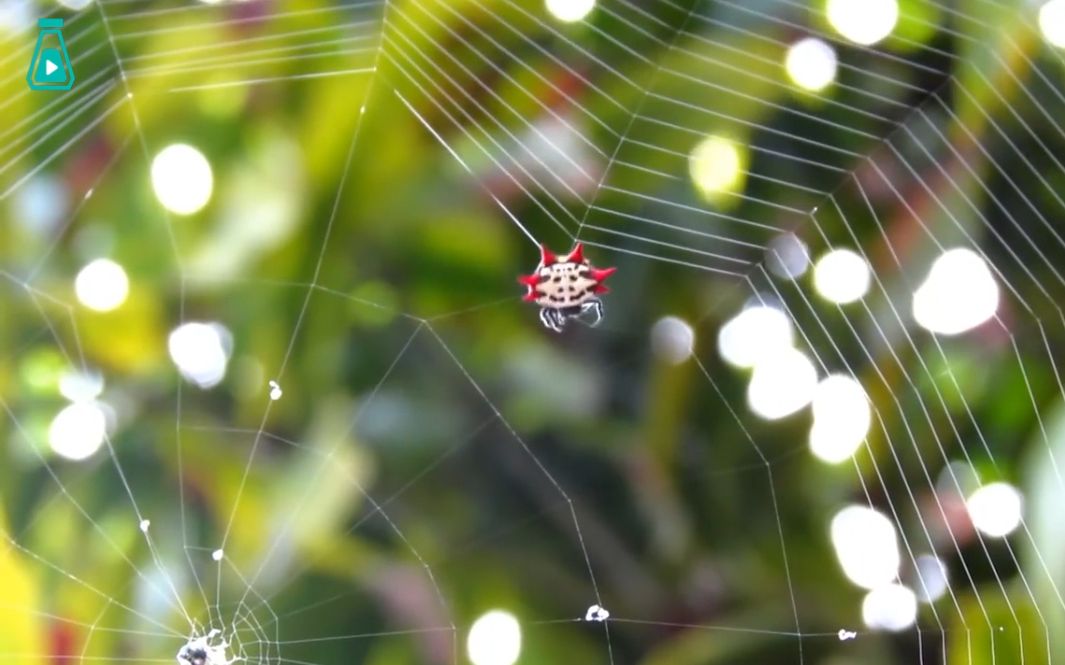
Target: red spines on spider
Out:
[546,257]
[530,281]
[600,274]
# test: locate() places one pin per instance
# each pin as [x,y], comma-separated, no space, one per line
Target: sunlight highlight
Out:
[78,431]
[866,546]
[863,22]
[811,64]
[959,294]
[570,11]
[890,607]
[494,639]
[102,285]
[201,352]
[1052,22]
[842,276]
[995,509]
[717,166]
[842,417]
[781,384]
[182,179]
[754,334]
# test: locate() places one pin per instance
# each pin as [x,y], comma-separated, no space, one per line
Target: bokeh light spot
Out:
[781,384]
[570,11]
[931,578]
[995,509]
[182,179]
[78,430]
[102,285]
[717,166]
[890,607]
[41,203]
[494,639]
[811,64]
[81,386]
[841,276]
[1052,22]
[959,293]
[755,333]
[866,546]
[672,339]
[842,417]
[199,350]
[787,256]
[864,22]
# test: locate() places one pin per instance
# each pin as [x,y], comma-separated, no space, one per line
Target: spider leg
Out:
[547,318]
[560,320]
[596,306]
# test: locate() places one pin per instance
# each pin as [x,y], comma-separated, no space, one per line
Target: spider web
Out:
[564,133]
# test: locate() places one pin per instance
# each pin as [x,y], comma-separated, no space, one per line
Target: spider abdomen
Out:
[564,285]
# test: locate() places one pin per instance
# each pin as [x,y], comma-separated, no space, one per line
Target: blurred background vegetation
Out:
[374,174]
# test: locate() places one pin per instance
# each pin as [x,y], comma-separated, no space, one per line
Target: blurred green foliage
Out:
[436,453]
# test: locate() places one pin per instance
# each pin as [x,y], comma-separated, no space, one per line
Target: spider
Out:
[193,656]
[566,287]
[206,651]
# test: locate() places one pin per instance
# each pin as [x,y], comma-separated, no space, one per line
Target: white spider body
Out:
[210,649]
[565,285]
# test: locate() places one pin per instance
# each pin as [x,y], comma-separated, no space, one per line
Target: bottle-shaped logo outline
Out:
[44,72]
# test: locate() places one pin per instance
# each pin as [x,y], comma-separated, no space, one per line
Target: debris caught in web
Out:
[845,635]
[596,613]
[275,391]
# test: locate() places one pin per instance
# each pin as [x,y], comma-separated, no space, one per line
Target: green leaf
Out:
[20,630]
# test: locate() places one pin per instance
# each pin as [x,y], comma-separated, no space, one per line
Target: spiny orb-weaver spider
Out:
[211,649]
[565,287]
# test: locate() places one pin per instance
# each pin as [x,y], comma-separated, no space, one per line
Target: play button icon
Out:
[50,67]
